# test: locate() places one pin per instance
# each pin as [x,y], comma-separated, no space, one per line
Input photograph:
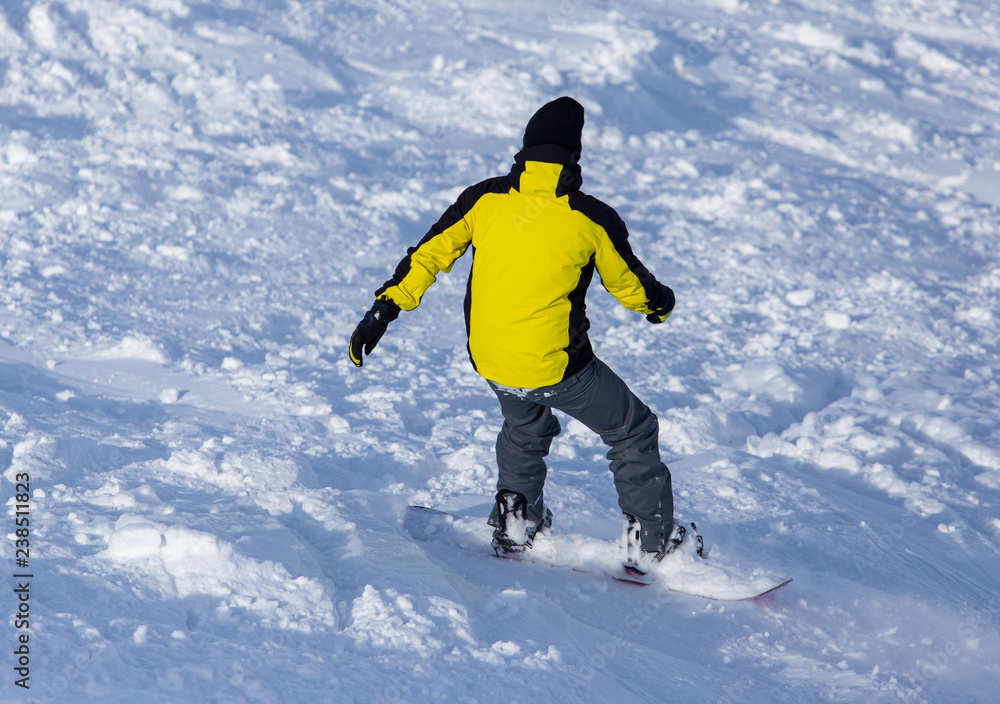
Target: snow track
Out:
[197,201]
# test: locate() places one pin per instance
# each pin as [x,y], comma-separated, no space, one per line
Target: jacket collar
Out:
[545,170]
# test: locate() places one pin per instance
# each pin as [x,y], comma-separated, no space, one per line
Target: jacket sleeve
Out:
[621,272]
[445,242]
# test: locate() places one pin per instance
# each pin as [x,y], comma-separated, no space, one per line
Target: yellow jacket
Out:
[536,241]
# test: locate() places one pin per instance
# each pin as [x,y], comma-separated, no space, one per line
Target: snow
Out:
[199,199]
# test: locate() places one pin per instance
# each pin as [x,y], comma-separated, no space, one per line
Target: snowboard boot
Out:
[514,532]
[640,561]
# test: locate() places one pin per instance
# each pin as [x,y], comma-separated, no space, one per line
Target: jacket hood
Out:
[546,170]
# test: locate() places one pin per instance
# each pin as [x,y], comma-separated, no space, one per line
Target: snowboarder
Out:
[537,240]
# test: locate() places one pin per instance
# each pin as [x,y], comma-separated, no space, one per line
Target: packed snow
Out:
[197,201]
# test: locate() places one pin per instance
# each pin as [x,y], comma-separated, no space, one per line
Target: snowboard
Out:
[683,571]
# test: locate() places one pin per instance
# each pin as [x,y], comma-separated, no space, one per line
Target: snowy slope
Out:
[197,201]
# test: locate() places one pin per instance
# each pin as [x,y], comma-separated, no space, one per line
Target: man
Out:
[537,240]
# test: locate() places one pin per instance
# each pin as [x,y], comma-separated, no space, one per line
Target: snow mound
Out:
[180,563]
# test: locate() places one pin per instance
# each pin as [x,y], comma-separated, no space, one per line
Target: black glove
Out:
[663,312]
[371,329]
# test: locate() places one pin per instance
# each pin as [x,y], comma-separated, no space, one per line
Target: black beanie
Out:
[558,122]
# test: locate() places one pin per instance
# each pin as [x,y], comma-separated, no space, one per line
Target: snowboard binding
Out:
[514,531]
[639,562]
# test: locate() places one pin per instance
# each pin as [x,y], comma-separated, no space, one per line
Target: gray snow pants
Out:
[599,399]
